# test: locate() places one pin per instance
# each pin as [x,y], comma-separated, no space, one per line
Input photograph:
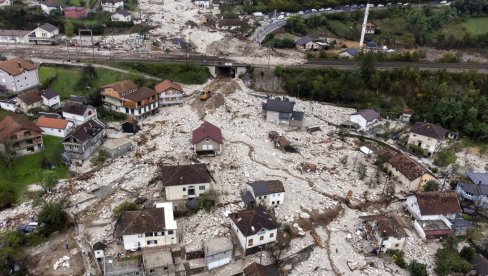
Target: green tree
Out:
[124,207]
[417,269]
[7,195]
[49,181]
[69,29]
[208,200]
[444,158]
[368,67]
[431,186]
[53,216]
[467,253]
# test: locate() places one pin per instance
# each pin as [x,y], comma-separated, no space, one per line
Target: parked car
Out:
[328,9]
[314,10]
[381,6]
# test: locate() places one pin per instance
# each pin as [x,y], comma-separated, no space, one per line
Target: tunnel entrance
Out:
[225,71]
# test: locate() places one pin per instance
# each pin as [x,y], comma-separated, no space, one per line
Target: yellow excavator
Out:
[205,94]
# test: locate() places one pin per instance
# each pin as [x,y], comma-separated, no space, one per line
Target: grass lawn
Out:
[28,168]
[4,113]
[339,27]
[476,26]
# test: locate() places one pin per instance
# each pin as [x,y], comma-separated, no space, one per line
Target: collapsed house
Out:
[382,233]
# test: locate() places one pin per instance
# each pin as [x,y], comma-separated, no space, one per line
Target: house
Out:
[125,97]
[4,3]
[115,147]
[147,228]
[370,27]
[202,3]
[475,192]
[306,43]
[169,92]
[218,251]
[84,139]
[365,118]
[406,115]
[255,269]
[349,53]
[20,136]
[9,105]
[99,250]
[371,46]
[382,233]
[78,113]
[116,266]
[45,34]
[121,16]
[427,136]
[269,193]
[74,12]
[185,181]
[18,75]
[432,212]
[281,112]
[460,227]
[112,5]
[254,228]
[158,261]
[207,138]
[14,36]
[130,126]
[50,98]
[47,7]
[229,24]
[409,173]
[55,127]
[29,100]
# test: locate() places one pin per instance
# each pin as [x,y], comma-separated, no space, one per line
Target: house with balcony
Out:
[18,75]
[427,136]
[19,136]
[170,93]
[147,228]
[46,34]
[125,97]
[255,229]
[281,112]
[112,5]
[381,233]
[78,113]
[84,140]
[185,181]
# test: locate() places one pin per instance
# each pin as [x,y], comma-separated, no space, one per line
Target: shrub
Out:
[430,186]
[450,58]
[208,200]
[417,150]
[361,171]
[449,260]
[444,158]
[417,269]
[53,216]
[398,258]
[7,196]
[467,253]
[101,157]
[124,207]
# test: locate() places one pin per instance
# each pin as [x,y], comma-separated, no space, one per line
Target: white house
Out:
[382,233]
[185,181]
[29,100]
[306,43]
[170,93]
[207,139]
[14,36]
[50,98]
[432,212]
[254,228]
[218,251]
[18,75]
[365,118]
[349,53]
[78,113]
[280,111]
[99,250]
[202,3]
[270,193]
[47,7]
[147,228]
[4,3]
[55,127]
[112,5]
[45,34]
[9,105]
[121,16]
[426,136]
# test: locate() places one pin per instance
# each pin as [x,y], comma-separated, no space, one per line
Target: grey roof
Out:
[480,264]
[458,222]
[297,115]
[478,178]
[87,130]
[372,44]
[217,245]
[303,40]
[48,27]
[14,33]
[279,105]
[50,4]
[247,197]
[352,51]
[368,114]
[157,257]
[474,189]
[123,12]
[49,93]
[267,187]
[74,108]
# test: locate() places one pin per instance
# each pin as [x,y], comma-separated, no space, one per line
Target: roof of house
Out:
[207,130]
[185,174]
[303,40]
[99,246]
[438,203]
[254,220]
[30,97]
[385,226]
[122,86]
[405,165]
[297,115]
[16,66]
[474,189]
[255,269]
[131,120]
[141,94]
[231,22]
[48,27]
[267,187]
[157,257]
[123,12]
[371,44]
[217,245]
[87,130]
[351,51]
[51,123]
[167,84]
[370,24]
[73,8]
[247,197]
[50,4]
[458,222]
[407,111]
[74,108]
[13,124]
[49,93]
[478,178]
[279,105]
[14,33]
[368,114]
[143,221]
[429,130]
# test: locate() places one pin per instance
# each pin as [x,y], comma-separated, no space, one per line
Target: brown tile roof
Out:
[255,269]
[13,124]
[231,22]
[137,222]
[122,87]
[30,97]
[141,94]
[254,220]
[385,226]
[429,130]
[438,203]
[167,84]
[405,165]
[49,93]
[52,123]
[267,187]
[16,66]
[74,108]
[207,130]
[87,130]
[185,174]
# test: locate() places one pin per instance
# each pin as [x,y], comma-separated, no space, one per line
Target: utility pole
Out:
[363,29]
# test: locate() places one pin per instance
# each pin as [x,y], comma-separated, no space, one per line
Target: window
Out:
[261,238]
[264,197]
[150,234]
[151,270]
[271,235]
[396,245]
[184,189]
[202,187]
[170,232]
[152,242]
[135,273]
[272,202]
[249,242]
[278,202]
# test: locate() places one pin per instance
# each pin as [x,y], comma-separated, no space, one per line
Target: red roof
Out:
[51,123]
[167,84]
[207,130]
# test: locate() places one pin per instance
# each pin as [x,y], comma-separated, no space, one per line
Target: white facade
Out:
[120,18]
[392,243]
[270,200]
[362,122]
[99,253]
[413,208]
[112,6]
[431,145]
[145,240]
[80,119]
[53,102]
[170,97]
[274,117]
[58,132]
[21,82]
[5,3]
[262,237]
[202,3]
[8,105]
[185,191]
[47,9]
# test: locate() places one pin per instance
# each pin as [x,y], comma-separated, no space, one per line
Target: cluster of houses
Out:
[115,7]
[45,34]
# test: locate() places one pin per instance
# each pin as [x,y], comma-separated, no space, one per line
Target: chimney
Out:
[18,63]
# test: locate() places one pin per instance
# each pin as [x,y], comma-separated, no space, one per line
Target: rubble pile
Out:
[62,263]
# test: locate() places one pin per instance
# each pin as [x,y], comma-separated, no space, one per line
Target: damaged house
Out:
[475,192]
[185,181]
[84,140]
[20,136]
[207,139]
[218,251]
[269,193]
[365,119]
[382,233]
[281,112]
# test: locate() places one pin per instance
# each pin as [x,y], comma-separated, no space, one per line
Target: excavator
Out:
[205,94]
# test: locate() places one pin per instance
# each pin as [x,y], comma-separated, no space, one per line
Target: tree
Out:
[368,67]
[69,29]
[7,155]
[417,269]
[431,186]
[124,207]
[482,149]
[467,253]
[7,196]
[49,181]
[53,216]
[208,200]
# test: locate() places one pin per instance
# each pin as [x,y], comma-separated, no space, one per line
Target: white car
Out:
[300,12]
[381,6]
[328,9]
[314,10]
[406,4]
[321,9]
[371,5]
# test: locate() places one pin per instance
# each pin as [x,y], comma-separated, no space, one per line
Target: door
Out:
[191,192]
